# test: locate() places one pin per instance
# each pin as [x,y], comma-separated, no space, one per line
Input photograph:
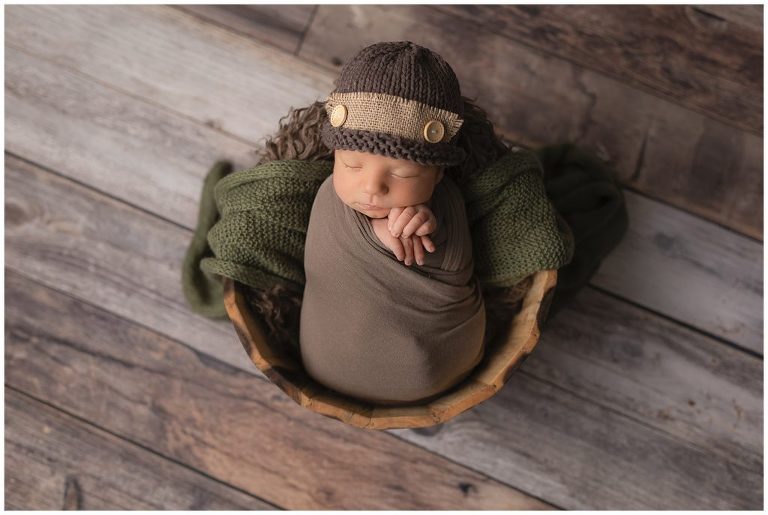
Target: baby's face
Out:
[374,184]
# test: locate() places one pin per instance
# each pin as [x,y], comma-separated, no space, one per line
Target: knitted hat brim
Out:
[389,145]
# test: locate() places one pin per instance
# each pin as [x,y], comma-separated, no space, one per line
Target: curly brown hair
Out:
[298,137]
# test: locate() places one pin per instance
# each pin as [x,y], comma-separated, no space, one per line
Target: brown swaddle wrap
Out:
[378,330]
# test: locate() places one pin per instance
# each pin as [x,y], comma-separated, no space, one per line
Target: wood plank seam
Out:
[148,101]
[682,323]
[306,29]
[139,445]
[98,191]
[639,421]
[633,189]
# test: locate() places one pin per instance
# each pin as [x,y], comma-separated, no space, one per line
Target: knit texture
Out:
[438,154]
[411,72]
[585,192]
[404,69]
[515,230]
[264,213]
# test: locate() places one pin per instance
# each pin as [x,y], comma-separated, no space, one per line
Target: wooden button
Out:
[339,115]
[434,131]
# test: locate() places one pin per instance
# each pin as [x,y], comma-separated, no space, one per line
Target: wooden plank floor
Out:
[646,393]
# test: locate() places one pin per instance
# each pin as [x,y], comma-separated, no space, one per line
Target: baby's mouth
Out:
[369,206]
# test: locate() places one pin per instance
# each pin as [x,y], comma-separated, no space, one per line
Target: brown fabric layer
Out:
[375,329]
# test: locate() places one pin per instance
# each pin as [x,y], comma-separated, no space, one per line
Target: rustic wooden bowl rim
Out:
[484,381]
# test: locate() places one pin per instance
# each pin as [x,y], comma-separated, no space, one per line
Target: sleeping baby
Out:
[392,312]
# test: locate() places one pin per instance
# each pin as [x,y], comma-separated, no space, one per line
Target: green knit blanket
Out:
[252,226]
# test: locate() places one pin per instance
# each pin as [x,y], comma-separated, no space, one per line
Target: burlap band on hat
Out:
[379,112]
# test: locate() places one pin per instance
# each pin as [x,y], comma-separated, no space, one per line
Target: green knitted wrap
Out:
[259,239]
[264,211]
[515,230]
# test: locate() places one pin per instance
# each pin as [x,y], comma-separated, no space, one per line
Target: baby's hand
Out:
[406,221]
[405,249]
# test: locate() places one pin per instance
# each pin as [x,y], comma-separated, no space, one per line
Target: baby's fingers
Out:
[427,242]
[418,250]
[408,244]
[429,226]
[416,223]
[402,220]
[397,247]
[393,215]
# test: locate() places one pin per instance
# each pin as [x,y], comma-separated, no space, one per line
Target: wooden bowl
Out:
[501,358]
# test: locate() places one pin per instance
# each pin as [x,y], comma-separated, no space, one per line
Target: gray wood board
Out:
[228,424]
[603,367]
[659,147]
[282,26]
[690,270]
[155,157]
[243,87]
[52,458]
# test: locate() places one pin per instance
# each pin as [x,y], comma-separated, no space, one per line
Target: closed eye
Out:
[345,164]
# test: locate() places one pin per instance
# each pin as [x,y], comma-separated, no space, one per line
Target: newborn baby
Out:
[374,327]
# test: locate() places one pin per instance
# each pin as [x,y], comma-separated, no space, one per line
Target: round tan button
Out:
[339,115]
[434,131]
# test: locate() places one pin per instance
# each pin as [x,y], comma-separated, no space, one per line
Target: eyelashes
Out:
[392,174]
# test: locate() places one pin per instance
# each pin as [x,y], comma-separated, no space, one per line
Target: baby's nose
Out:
[374,185]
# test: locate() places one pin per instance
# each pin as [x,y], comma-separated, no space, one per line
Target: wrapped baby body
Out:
[378,330]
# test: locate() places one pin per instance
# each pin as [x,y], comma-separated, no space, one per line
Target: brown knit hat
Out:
[399,100]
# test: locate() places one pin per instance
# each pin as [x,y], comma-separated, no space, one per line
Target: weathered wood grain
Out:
[282,26]
[603,460]
[244,87]
[676,264]
[750,16]
[677,52]
[173,59]
[658,147]
[46,449]
[228,424]
[128,148]
[635,363]
[98,249]
[200,411]
[73,246]
[156,159]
